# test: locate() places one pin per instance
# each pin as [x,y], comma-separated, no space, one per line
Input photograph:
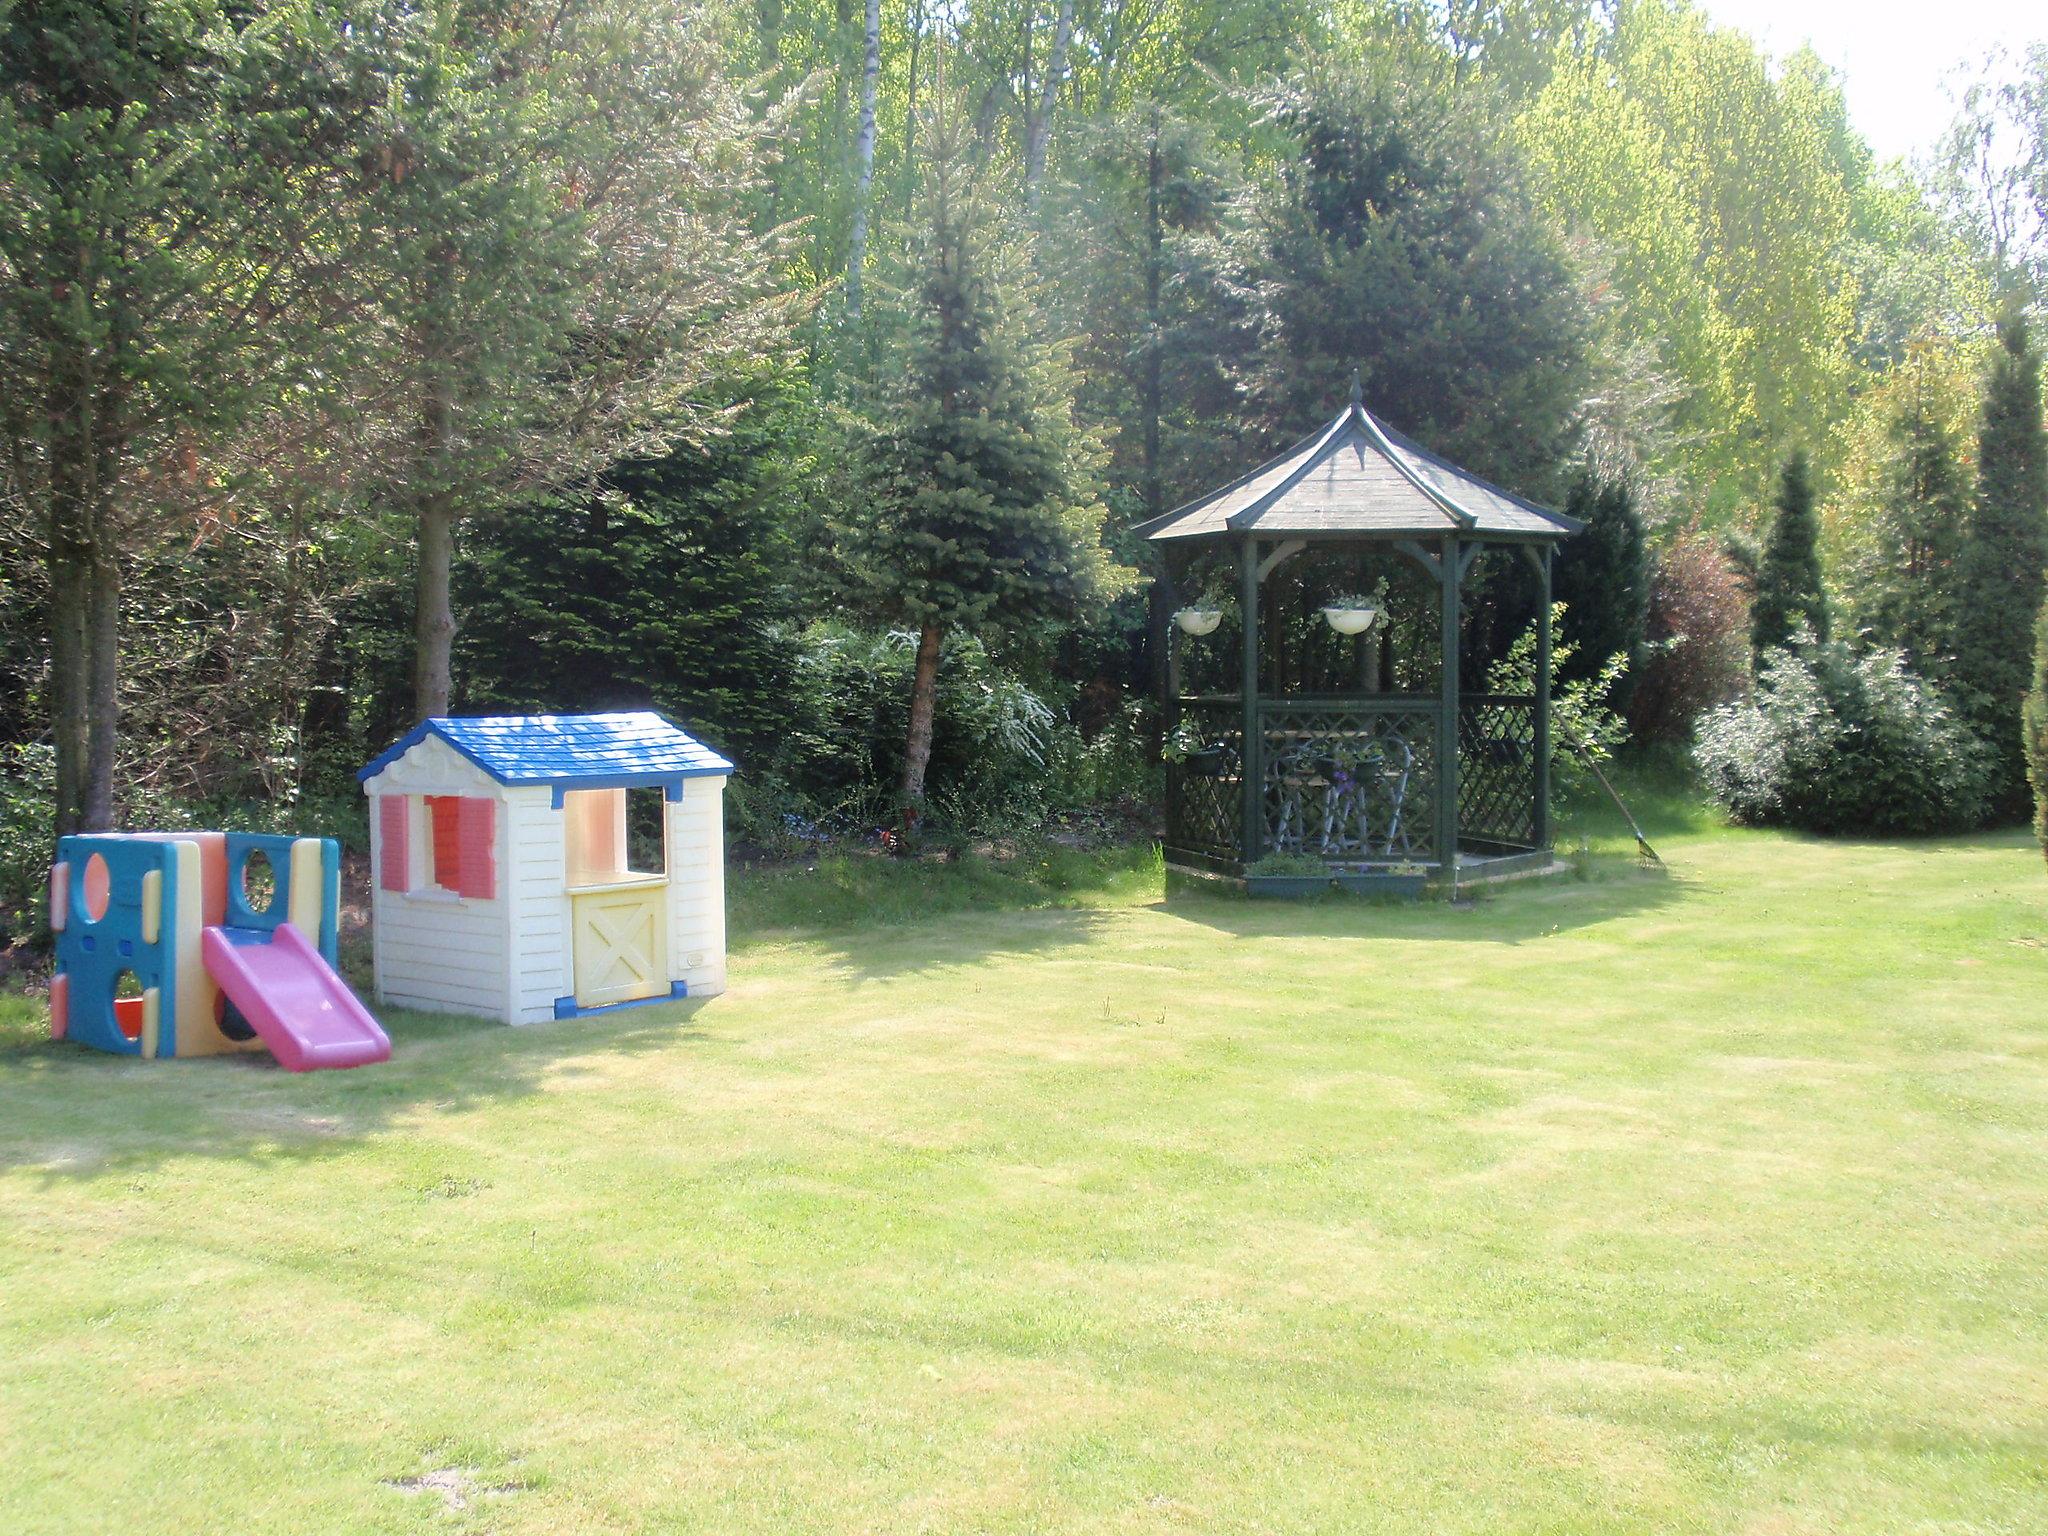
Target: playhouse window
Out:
[614,834]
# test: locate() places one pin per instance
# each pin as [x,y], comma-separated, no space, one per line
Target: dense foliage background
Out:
[797,369]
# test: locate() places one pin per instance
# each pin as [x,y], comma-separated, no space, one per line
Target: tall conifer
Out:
[2003,567]
[1788,588]
[982,509]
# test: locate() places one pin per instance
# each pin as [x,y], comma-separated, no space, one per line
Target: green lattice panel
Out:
[1497,771]
[1350,784]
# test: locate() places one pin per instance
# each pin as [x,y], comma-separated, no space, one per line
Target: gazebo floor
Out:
[1412,880]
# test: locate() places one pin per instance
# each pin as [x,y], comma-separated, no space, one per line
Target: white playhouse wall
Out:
[696,886]
[434,950]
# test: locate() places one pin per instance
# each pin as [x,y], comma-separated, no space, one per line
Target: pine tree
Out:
[982,509]
[1603,579]
[1788,589]
[2034,726]
[2004,557]
[1401,242]
[1909,595]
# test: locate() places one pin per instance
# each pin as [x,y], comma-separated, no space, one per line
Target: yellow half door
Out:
[621,945]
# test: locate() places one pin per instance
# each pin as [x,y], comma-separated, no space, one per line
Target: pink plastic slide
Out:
[291,997]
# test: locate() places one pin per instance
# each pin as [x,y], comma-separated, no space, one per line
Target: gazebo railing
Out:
[1351,781]
[1497,770]
[1204,789]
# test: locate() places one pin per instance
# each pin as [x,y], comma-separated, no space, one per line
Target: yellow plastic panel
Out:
[303,896]
[621,940]
[152,905]
[152,1021]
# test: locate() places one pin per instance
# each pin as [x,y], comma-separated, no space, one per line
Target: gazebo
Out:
[1356,767]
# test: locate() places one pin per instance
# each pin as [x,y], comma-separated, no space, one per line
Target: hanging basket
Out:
[1198,621]
[1348,620]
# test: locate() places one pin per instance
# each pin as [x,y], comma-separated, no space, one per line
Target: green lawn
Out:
[1710,1201]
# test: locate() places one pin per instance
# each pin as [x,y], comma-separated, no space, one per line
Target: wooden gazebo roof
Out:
[1360,477]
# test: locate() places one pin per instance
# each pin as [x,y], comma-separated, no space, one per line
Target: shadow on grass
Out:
[1517,912]
[69,1112]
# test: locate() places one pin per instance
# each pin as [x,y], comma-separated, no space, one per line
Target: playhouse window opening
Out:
[646,831]
[614,835]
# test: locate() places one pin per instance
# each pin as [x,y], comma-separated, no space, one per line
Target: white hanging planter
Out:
[1350,620]
[1198,621]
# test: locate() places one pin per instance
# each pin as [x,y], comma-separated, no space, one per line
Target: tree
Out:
[1908,592]
[667,587]
[1788,583]
[1603,579]
[1714,187]
[1400,242]
[2035,724]
[169,246]
[864,155]
[2000,573]
[982,508]
[567,262]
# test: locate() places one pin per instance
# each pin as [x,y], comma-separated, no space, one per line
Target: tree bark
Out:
[102,697]
[864,157]
[70,588]
[1041,120]
[71,533]
[924,694]
[434,619]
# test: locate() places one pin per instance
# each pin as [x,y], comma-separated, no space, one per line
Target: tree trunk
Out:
[434,619]
[71,533]
[102,699]
[70,600]
[864,158]
[1040,130]
[924,694]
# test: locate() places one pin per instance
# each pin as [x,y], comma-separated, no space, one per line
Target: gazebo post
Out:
[1450,564]
[1250,767]
[1542,817]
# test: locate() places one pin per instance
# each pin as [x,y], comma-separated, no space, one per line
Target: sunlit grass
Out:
[1003,1199]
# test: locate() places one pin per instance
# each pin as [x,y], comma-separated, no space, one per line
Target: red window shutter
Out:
[392,852]
[444,827]
[477,853]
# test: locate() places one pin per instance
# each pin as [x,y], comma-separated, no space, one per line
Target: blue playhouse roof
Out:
[614,750]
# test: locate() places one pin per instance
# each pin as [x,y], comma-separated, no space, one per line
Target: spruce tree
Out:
[1910,599]
[2004,556]
[2034,727]
[1603,579]
[1788,590]
[981,509]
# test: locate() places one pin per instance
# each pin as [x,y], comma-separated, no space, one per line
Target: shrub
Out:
[1698,650]
[1582,725]
[1839,741]
[27,811]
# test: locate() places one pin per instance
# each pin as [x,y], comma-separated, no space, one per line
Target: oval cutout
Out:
[95,890]
[259,882]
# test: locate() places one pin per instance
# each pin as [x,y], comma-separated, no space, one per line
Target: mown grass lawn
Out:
[1710,1201]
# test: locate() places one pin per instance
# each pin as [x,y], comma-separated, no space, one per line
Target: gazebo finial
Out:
[1357,389]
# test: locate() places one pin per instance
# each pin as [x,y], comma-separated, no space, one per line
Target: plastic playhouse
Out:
[533,867]
[196,943]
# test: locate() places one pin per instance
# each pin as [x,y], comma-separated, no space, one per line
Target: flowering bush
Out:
[1839,741]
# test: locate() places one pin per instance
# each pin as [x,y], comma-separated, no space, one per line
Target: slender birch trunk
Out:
[864,157]
[1041,119]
